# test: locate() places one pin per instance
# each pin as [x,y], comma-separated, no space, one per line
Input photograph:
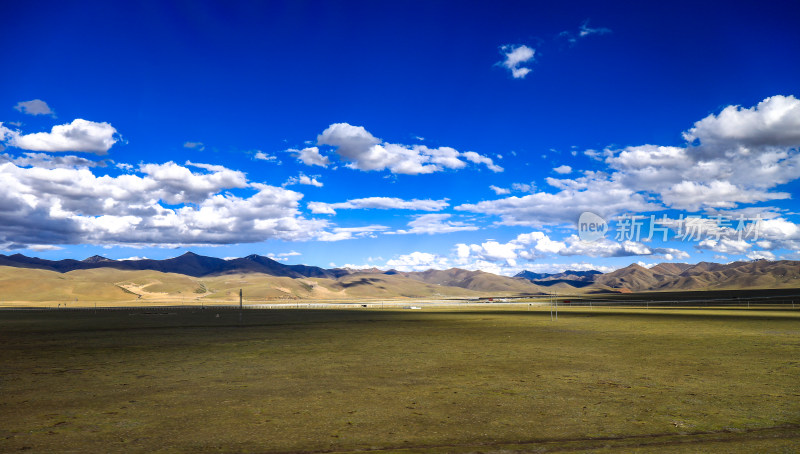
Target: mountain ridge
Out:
[633,278]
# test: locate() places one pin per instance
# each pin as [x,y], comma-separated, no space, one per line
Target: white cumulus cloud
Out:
[155,205]
[735,158]
[480,159]
[303,179]
[775,121]
[80,135]
[310,156]
[363,151]
[499,191]
[515,57]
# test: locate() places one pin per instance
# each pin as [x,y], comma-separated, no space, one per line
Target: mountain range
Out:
[702,276]
[189,264]
[209,277]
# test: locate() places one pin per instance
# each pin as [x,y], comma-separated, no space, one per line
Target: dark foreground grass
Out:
[449,381]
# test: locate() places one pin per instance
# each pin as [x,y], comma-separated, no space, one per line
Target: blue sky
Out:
[400,135]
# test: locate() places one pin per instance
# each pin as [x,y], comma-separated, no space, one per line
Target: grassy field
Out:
[623,380]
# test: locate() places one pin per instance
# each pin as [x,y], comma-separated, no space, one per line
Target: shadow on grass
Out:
[54,321]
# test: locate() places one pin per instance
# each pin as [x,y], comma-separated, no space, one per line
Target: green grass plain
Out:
[607,380]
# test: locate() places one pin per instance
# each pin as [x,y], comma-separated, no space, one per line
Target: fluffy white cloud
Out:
[648,156]
[690,195]
[444,156]
[540,242]
[504,258]
[760,255]
[733,158]
[310,156]
[480,159]
[161,204]
[499,191]
[261,156]
[527,246]
[34,107]
[418,261]
[515,57]
[521,187]
[436,223]
[303,179]
[363,151]
[379,203]
[775,121]
[283,255]
[779,230]
[176,184]
[80,135]
[563,169]
[494,252]
[725,245]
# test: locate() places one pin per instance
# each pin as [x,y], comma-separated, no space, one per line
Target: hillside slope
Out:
[703,276]
[473,280]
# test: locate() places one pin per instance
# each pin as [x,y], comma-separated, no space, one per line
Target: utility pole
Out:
[240,306]
[555,300]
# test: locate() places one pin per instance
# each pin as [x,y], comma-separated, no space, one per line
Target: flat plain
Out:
[435,380]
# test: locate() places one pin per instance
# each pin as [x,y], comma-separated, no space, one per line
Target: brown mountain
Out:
[633,277]
[668,268]
[472,280]
[703,276]
[755,274]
